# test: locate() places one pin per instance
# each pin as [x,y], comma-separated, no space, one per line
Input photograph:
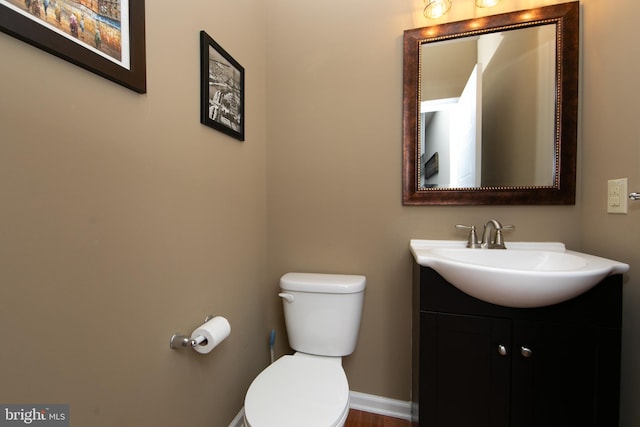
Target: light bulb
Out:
[436,8]
[486,3]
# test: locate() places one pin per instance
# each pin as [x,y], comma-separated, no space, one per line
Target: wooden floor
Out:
[366,419]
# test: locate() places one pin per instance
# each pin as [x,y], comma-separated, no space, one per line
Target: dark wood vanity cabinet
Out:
[476,364]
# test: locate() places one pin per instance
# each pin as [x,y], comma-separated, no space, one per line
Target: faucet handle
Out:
[472,241]
[499,243]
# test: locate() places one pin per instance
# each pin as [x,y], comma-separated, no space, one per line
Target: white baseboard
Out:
[362,402]
[238,420]
[380,405]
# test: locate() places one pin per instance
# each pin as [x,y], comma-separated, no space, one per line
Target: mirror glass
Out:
[470,136]
[491,109]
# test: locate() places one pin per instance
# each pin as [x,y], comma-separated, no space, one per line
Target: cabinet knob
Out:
[502,350]
[526,352]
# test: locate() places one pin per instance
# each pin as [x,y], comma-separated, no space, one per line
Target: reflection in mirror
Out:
[491,109]
[468,87]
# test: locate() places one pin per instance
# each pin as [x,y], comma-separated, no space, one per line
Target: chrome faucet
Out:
[489,241]
[496,241]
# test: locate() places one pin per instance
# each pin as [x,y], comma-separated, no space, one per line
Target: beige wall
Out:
[611,149]
[334,167]
[113,241]
[124,220]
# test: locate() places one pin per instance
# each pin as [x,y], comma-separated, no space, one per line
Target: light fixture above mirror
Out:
[436,8]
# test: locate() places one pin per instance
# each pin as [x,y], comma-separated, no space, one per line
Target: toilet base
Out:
[340,423]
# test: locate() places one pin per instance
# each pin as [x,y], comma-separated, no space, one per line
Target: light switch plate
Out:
[617,196]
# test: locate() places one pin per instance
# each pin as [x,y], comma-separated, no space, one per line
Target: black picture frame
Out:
[55,34]
[432,166]
[221,89]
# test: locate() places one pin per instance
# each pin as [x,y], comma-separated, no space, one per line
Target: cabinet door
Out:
[555,381]
[464,375]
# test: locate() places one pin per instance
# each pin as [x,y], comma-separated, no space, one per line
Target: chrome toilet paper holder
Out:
[179,340]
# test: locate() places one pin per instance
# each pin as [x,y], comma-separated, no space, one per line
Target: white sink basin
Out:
[526,274]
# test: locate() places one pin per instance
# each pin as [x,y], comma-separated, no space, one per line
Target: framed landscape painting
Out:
[106,37]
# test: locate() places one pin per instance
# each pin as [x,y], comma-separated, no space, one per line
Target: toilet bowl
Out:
[309,388]
[299,390]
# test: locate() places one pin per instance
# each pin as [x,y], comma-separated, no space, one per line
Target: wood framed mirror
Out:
[517,129]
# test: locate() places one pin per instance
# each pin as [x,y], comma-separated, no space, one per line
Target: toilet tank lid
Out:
[323,283]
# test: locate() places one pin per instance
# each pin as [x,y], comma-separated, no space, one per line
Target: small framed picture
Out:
[221,89]
[432,166]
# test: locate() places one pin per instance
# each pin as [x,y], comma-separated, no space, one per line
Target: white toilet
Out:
[322,315]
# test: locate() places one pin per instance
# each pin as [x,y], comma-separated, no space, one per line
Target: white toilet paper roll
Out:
[214,331]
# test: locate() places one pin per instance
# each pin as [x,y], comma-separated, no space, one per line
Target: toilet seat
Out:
[299,390]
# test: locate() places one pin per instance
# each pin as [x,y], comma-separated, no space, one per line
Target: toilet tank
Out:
[322,312]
